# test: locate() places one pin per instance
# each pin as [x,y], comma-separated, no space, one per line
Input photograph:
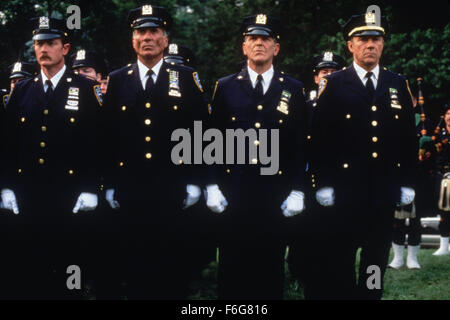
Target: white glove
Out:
[193,195]
[325,196]
[86,202]
[9,201]
[109,196]
[294,204]
[215,199]
[407,196]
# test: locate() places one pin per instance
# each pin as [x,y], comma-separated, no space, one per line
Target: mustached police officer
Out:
[50,173]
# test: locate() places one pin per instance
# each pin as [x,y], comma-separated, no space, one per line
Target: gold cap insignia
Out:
[147,10]
[261,19]
[370,18]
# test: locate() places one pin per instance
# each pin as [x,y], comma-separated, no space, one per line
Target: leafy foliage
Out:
[418,44]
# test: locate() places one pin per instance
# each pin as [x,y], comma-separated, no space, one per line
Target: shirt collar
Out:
[143,69]
[362,72]
[55,79]
[267,76]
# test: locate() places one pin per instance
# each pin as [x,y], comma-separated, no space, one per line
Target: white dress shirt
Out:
[267,78]
[362,74]
[54,80]
[143,72]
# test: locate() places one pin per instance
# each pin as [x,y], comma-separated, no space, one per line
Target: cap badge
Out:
[173,48]
[147,10]
[328,56]
[370,18]
[261,19]
[81,55]
[17,67]
[44,23]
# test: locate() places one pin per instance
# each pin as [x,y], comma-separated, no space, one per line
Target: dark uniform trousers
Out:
[366,150]
[49,160]
[299,253]
[253,231]
[149,186]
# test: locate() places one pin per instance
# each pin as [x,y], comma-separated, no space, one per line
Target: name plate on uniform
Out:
[72,99]
[394,98]
[283,105]
[174,84]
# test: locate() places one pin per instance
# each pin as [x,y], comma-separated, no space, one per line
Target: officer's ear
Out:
[244,46]
[166,38]
[277,48]
[350,45]
[316,79]
[66,48]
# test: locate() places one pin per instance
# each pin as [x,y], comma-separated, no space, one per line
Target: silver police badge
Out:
[173,48]
[81,55]
[147,10]
[44,23]
[17,67]
[328,56]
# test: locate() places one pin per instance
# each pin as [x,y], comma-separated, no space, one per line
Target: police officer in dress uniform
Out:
[364,163]
[18,71]
[21,70]
[146,101]
[50,168]
[88,64]
[252,246]
[299,258]
[324,64]
[179,54]
[100,243]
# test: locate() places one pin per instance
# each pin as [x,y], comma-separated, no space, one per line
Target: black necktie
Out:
[49,92]
[149,84]
[369,85]
[259,88]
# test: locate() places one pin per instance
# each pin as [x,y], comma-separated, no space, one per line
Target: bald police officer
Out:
[50,171]
[364,162]
[146,101]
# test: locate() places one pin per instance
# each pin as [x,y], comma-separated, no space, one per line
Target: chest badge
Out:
[394,98]
[283,105]
[174,84]
[73,99]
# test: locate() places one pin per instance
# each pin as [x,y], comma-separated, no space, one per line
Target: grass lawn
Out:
[432,282]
